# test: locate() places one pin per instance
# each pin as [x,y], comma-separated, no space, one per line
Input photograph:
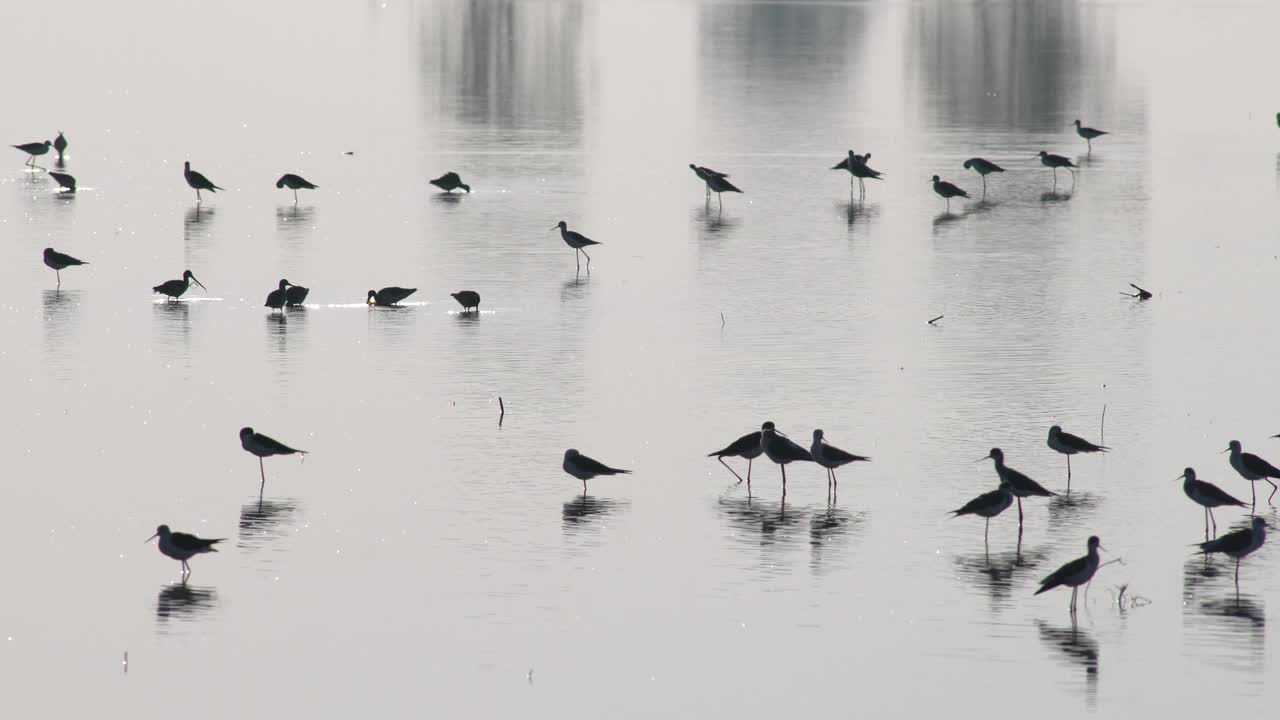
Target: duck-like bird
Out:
[1253,468]
[585,468]
[182,547]
[748,446]
[1075,573]
[987,505]
[174,289]
[1089,134]
[197,181]
[262,446]
[577,241]
[294,183]
[388,295]
[1239,544]
[780,449]
[277,298]
[58,261]
[468,299]
[1207,495]
[64,180]
[1020,485]
[831,457]
[1068,444]
[946,190]
[33,149]
[295,295]
[60,145]
[984,168]
[451,181]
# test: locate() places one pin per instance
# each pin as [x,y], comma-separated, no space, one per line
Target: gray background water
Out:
[425,561]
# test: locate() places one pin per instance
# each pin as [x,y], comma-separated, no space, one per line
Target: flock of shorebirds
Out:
[768,441]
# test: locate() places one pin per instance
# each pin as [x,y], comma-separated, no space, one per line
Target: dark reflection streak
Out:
[61,320]
[575,288]
[587,515]
[995,572]
[765,525]
[261,520]
[1077,648]
[1068,511]
[829,531]
[853,210]
[196,226]
[294,223]
[173,325]
[183,601]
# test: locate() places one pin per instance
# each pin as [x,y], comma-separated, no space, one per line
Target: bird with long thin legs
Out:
[1068,444]
[261,446]
[1207,495]
[295,183]
[1019,484]
[577,241]
[182,547]
[984,168]
[197,181]
[1253,468]
[585,468]
[831,457]
[747,447]
[1075,573]
[1238,544]
[58,261]
[782,450]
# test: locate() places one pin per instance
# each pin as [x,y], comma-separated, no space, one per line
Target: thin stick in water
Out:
[1102,431]
[936,319]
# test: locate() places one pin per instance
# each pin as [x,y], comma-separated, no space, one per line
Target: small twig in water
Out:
[1102,431]
[502,411]
[936,319]
[721,319]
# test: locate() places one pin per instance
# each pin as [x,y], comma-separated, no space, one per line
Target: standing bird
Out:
[1252,468]
[1075,573]
[720,184]
[1207,495]
[181,546]
[831,457]
[175,288]
[65,181]
[295,295]
[60,146]
[197,181]
[263,446]
[58,261]
[987,505]
[1069,445]
[1239,544]
[858,168]
[1057,161]
[780,449]
[277,298]
[1088,134]
[1020,485]
[294,183]
[450,181]
[33,149]
[577,241]
[468,299]
[388,296]
[1140,294]
[704,174]
[585,468]
[947,191]
[748,446]
[984,168]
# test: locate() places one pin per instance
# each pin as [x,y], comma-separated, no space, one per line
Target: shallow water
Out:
[425,557]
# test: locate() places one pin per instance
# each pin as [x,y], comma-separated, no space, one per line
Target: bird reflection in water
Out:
[587,515]
[283,328]
[1055,196]
[713,221]
[761,524]
[576,288]
[448,199]
[829,532]
[1078,649]
[1227,627]
[60,313]
[944,219]
[1073,511]
[183,601]
[262,521]
[995,572]
[854,210]
[293,224]
[196,236]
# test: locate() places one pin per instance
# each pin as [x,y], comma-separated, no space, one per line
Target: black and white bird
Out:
[65,181]
[946,190]
[747,447]
[577,241]
[585,468]
[277,298]
[1253,468]
[1068,444]
[255,443]
[33,149]
[174,289]
[780,449]
[451,181]
[1020,485]
[182,547]
[987,505]
[197,181]
[294,183]
[984,168]
[1088,134]
[1238,544]
[468,299]
[1207,495]
[388,295]
[831,457]
[1075,573]
[1050,160]
[57,261]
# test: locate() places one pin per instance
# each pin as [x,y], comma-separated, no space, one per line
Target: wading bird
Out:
[294,183]
[58,261]
[33,149]
[577,241]
[262,446]
[295,295]
[987,505]
[277,298]
[60,146]
[831,457]
[748,446]
[451,181]
[585,468]
[984,168]
[197,181]
[468,299]
[1252,468]
[1088,134]
[720,184]
[388,296]
[65,182]
[705,174]
[175,288]
[1057,161]
[181,546]
[1068,444]
[1075,573]
[780,449]
[1208,496]
[946,190]
[1020,485]
[1238,544]
[1140,294]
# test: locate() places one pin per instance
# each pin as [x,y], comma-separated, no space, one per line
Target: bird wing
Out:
[713,173]
[296,294]
[275,446]
[66,259]
[838,455]
[1229,543]
[720,184]
[1078,443]
[191,542]
[1258,466]
[950,189]
[597,467]
[842,165]
[580,238]
[982,501]
[1024,484]
[1216,494]
[1055,579]
[737,447]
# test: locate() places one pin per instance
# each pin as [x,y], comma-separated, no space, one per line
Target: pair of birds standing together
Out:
[782,450]
[36,149]
[198,182]
[716,182]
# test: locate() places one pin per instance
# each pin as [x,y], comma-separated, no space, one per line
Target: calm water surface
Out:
[424,560]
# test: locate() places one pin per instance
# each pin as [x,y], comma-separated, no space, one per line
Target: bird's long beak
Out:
[984,457]
[1102,548]
[1227,450]
[556,227]
[153,537]
[1180,476]
[202,287]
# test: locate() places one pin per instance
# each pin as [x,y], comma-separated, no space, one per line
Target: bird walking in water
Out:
[1140,294]
[780,449]
[748,446]
[388,296]
[468,299]
[831,457]
[719,184]
[1089,133]
[33,149]
[1253,468]
[1075,573]
[277,298]
[197,181]
[294,183]
[946,190]
[857,166]
[182,547]
[1057,161]
[60,146]
[585,468]
[295,295]
[705,174]
[984,168]
[577,241]
[1207,495]
[987,505]
[262,446]
[1020,485]
[57,261]
[175,288]
[451,181]
[65,182]
[1068,444]
[1239,544]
